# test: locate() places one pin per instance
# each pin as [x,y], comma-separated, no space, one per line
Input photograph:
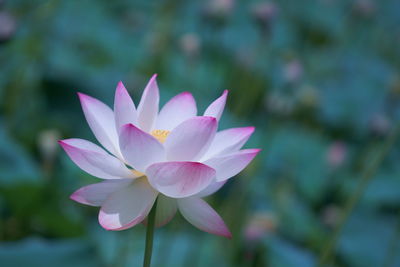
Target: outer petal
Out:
[176,110]
[124,108]
[231,164]
[94,160]
[96,194]
[101,120]
[228,141]
[148,106]
[179,179]
[216,108]
[166,209]
[128,206]
[139,148]
[200,214]
[211,189]
[191,139]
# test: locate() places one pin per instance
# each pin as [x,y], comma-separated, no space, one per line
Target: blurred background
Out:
[320,80]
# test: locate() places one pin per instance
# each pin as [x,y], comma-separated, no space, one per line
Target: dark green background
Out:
[319,79]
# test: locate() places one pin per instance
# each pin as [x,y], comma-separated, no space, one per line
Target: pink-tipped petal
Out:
[96,194]
[228,141]
[201,215]
[216,108]
[127,207]
[124,108]
[148,106]
[139,148]
[191,139]
[179,179]
[211,189]
[94,160]
[180,108]
[229,165]
[101,121]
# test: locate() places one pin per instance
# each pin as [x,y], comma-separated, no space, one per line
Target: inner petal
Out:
[160,135]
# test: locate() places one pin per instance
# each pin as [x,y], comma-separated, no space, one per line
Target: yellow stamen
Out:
[160,135]
[138,173]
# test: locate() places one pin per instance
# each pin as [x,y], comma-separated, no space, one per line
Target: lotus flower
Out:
[173,154]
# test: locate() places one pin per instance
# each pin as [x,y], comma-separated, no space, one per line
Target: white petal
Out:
[228,141]
[128,206]
[140,149]
[101,120]
[216,108]
[94,160]
[211,189]
[124,108]
[190,139]
[229,165]
[148,106]
[200,214]
[96,194]
[166,209]
[175,111]
[179,179]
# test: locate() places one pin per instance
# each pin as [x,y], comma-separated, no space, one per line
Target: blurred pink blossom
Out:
[366,8]
[220,7]
[293,70]
[336,154]
[7,26]
[190,44]
[331,215]
[264,11]
[380,124]
[259,225]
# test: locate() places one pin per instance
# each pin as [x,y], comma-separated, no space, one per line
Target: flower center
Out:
[160,135]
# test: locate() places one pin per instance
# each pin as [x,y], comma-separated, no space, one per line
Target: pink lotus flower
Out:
[173,154]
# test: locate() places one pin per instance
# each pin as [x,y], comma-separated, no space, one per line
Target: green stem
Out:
[149,235]
[366,176]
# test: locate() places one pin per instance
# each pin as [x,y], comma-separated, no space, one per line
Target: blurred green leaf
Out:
[17,166]
[282,253]
[37,252]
